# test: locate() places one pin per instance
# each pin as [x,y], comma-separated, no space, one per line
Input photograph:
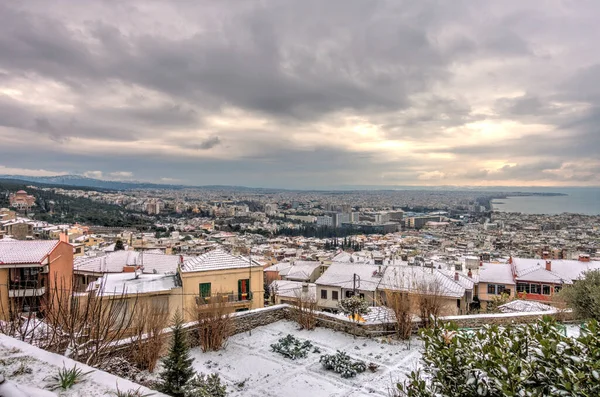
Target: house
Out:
[493,280]
[540,279]
[303,271]
[342,280]
[284,291]
[88,269]
[273,272]
[31,273]
[162,293]
[452,291]
[217,272]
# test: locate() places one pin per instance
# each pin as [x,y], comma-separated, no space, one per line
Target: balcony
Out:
[25,288]
[228,298]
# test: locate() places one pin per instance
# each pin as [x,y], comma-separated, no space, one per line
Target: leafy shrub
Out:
[67,378]
[584,296]
[517,360]
[342,364]
[354,305]
[292,347]
[205,386]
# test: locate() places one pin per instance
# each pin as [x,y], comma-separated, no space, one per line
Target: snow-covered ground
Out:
[27,366]
[250,368]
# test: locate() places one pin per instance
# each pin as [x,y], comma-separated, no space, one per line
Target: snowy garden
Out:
[250,366]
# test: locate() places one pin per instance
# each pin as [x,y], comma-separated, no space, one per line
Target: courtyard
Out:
[250,368]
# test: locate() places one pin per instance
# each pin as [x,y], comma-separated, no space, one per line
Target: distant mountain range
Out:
[82,181]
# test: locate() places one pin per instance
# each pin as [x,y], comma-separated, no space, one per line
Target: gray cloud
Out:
[248,87]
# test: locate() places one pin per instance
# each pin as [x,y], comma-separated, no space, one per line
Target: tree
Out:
[178,364]
[205,386]
[119,246]
[584,295]
[353,306]
[512,360]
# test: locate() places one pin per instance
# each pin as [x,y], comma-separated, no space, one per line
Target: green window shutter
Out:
[205,290]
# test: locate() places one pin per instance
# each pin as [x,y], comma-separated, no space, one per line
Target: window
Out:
[545,289]
[557,289]
[334,295]
[362,296]
[495,289]
[160,304]
[349,294]
[523,287]
[205,290]
[534,288]
[323,294]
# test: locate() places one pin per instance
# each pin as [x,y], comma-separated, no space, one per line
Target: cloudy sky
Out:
[302,93]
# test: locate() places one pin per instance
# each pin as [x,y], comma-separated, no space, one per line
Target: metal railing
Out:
[227,298]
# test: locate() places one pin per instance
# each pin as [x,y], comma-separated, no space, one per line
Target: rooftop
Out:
[215,260]
[23,252]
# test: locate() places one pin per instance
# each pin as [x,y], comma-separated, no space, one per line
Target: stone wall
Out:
[479,320]
[246,321]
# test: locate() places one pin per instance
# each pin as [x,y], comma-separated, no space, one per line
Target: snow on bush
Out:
[342,364]
[292,347]
[516,360]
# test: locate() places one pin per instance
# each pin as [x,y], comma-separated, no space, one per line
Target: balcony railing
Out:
[24,284]
[226,298]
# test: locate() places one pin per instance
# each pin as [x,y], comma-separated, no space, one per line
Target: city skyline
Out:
[302,94]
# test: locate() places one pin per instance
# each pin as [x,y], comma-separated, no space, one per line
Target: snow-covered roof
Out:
[520,306]
[127,283]
[420,279]
[497,273]
[293,289]
[342,275]
[300,270]
[278,267]
[215,260]
[113,262]
[560,269]
[21,252]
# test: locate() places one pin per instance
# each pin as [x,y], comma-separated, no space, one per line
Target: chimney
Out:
[510,260]
[64,237]
[548,265]
[470,274]
[480,263]
[455,276]
[584,258]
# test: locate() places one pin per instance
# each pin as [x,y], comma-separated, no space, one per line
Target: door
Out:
[244,289]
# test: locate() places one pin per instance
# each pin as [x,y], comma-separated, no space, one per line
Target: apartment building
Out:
[31,272]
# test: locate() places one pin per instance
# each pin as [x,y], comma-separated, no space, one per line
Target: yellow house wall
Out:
[4,310]
[223,281]
[484,296]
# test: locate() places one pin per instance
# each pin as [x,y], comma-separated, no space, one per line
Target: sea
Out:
[584,201]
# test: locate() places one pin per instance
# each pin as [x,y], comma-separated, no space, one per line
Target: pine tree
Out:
[178,364]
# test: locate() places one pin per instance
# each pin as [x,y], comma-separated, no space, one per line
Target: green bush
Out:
[343,364]
[584,296]
[519,360]
[292,347]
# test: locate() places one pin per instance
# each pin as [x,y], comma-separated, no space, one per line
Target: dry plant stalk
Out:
[148,340]
[429,302]
[304,310]
[82,326]
[401,304]
[215,323]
